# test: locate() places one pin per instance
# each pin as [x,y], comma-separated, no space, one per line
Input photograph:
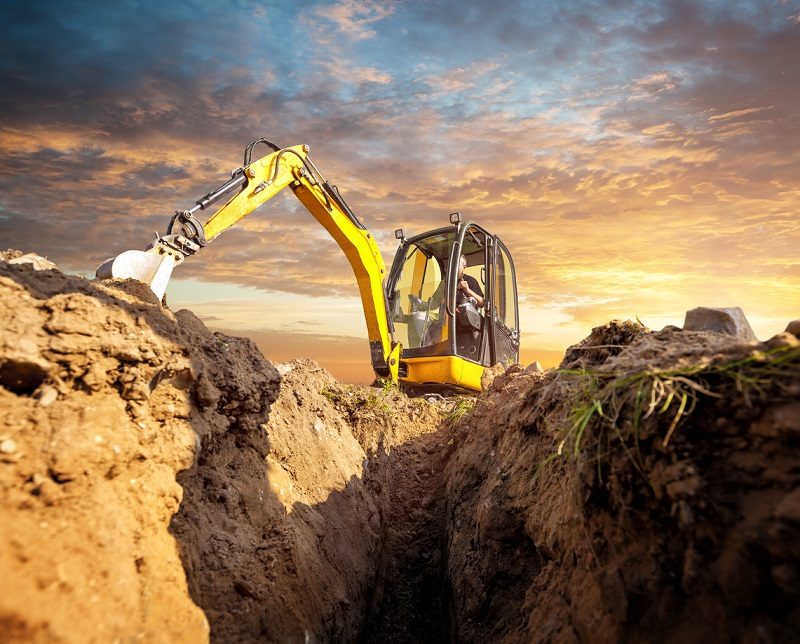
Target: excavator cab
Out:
[448,339]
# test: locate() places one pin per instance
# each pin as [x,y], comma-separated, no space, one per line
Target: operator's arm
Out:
[472,290]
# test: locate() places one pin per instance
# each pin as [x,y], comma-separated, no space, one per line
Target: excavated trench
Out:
[160,482]
[345,543]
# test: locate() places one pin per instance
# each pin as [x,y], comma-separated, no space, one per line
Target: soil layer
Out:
[160,482]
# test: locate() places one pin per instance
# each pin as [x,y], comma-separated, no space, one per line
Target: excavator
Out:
[444,312]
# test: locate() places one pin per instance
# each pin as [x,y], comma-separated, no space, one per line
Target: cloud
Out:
[617,149]
[736,114]
[355,18]
[462,78]
[651,86]
[354,74]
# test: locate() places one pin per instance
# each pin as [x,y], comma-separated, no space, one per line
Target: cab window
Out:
[419,303]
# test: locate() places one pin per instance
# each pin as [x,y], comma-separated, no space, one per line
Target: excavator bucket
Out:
[151,267]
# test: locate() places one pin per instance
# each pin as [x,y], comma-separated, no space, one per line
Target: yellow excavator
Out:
[445,311]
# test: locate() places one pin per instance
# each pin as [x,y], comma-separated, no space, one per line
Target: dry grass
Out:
[611,408]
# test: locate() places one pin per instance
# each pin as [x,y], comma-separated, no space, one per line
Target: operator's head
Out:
[462,264]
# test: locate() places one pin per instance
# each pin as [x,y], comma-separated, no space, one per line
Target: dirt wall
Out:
[627,538]
[287,539]
[96,421]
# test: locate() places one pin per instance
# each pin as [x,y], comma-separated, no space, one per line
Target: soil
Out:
[694,541]
[160,482]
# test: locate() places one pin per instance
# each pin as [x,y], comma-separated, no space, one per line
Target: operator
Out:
[468,286]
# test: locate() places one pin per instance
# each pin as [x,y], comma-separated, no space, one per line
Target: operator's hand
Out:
[463,285]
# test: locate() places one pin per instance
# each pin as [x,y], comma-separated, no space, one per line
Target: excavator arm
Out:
[255,183]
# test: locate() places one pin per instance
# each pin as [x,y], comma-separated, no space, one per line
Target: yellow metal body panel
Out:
[272,173]
[364,256]
[451,370]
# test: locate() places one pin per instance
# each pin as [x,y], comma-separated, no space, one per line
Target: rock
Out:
[730,321]
[8,255]
[490,373]
[8,446]
[38,262]
[534,368]
[189,321]
[789,508]
[784,339]
[283,368]
[794,328]
[205,392]
[46,395]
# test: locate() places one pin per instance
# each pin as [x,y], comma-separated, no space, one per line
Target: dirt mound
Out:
[650,494]
[149,493]
[160,482]
[96,421]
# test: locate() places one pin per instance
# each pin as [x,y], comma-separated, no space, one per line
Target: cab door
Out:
[503,309]
[470,339]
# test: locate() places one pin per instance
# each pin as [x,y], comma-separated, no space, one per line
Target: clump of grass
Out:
[462,406]
[331,395]
[377,401]
[614,405]
[349,398]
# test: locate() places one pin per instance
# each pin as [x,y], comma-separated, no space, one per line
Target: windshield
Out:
[418,296]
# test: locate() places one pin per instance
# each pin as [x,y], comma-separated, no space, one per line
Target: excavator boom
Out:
[251,185]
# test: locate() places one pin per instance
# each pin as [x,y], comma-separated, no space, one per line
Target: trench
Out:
[409,598]
[354,552]
[384,539]
[331,513]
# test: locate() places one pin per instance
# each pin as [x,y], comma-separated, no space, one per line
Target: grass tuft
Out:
[611,408]
[462,406]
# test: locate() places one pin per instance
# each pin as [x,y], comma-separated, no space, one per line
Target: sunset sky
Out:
[638,158]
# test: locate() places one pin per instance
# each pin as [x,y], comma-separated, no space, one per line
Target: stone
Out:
[37,262]
[789,508]
[535,368]
[730,321]
[784,339]
[490,373]
[46,395]
[8,446]
[794,328]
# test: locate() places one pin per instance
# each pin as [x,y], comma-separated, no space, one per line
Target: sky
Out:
[639,159]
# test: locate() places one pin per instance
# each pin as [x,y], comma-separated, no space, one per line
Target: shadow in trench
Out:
[364,565]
